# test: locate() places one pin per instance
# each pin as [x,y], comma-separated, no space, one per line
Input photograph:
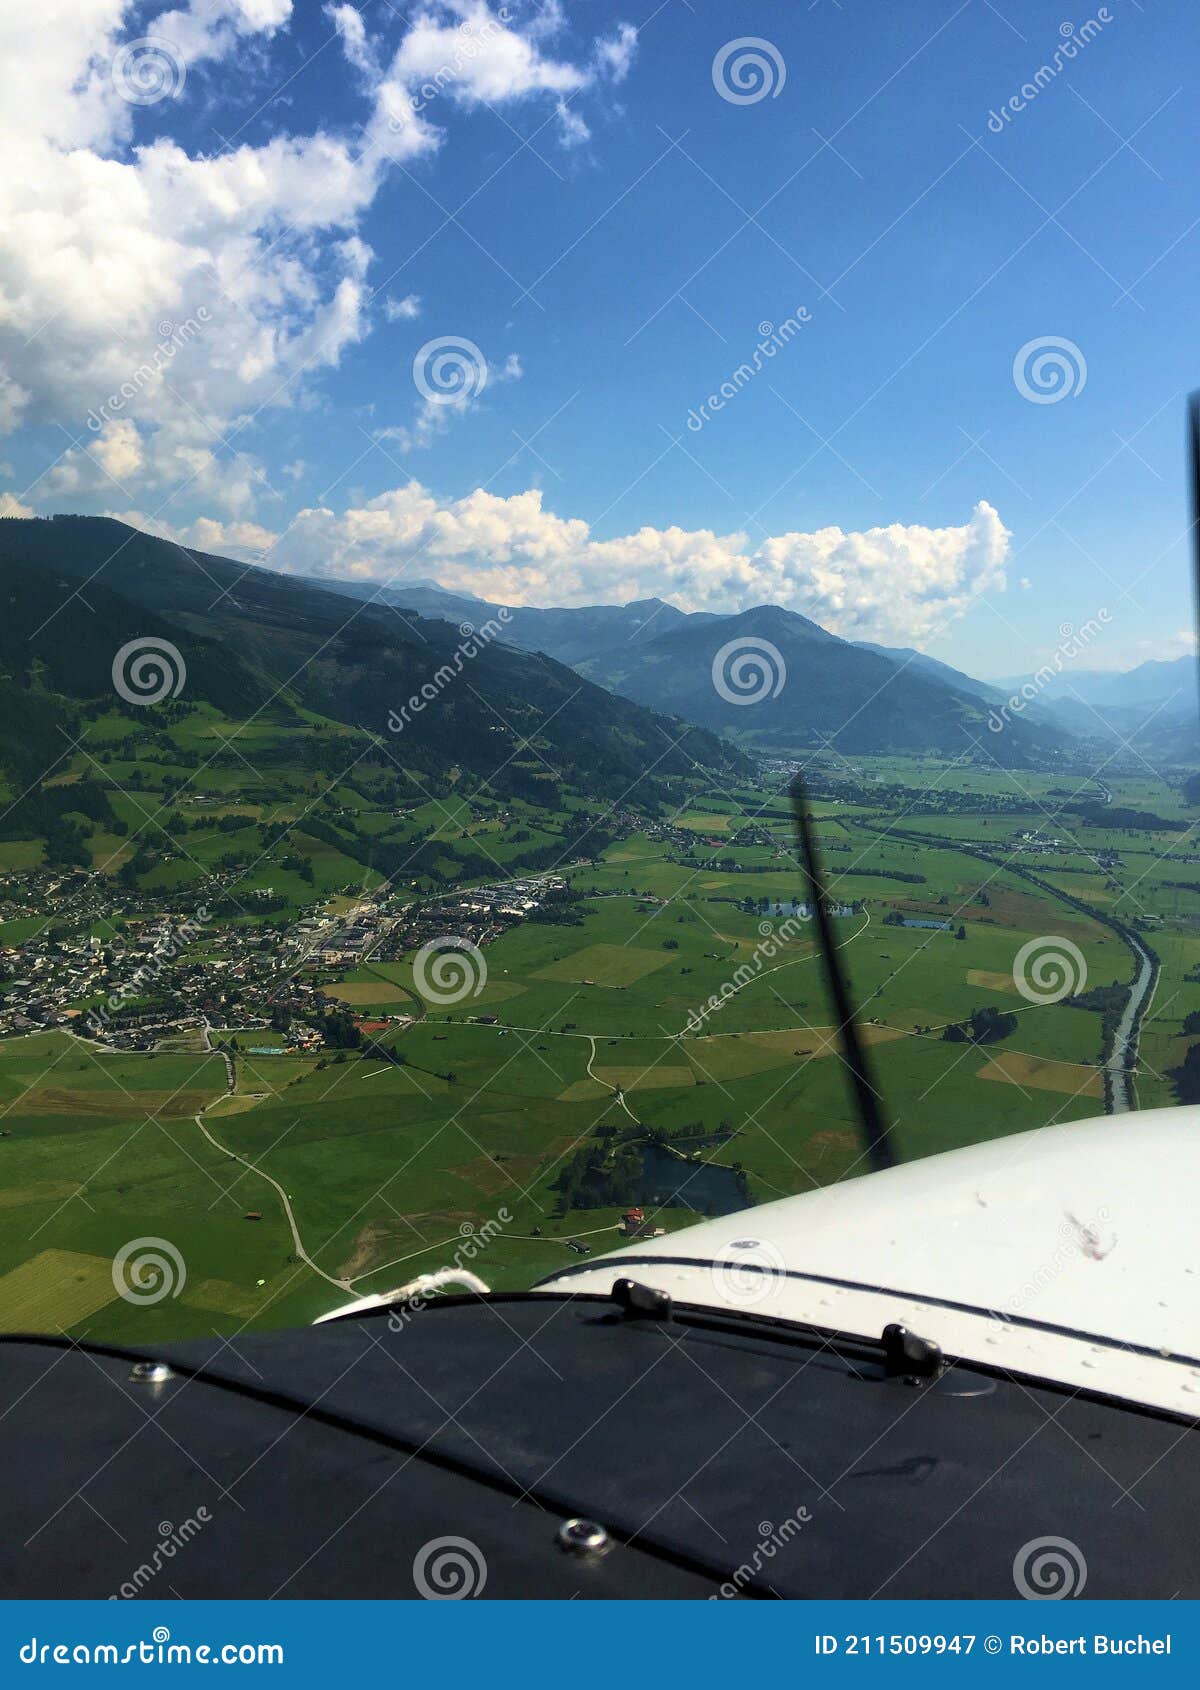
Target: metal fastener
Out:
[583,1538]
[150,1373]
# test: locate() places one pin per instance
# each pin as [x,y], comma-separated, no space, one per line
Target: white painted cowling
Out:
[1071,1253]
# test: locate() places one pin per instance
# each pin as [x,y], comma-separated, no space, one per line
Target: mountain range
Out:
[860,697]
[264,646]
[599,696]
[1158,695]
[820,689]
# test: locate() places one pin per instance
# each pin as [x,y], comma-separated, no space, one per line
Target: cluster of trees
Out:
[885,874]
[340,1030]
[562,906]
[1115,815]
[986,1026]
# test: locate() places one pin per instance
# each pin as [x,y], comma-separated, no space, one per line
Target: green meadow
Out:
[606,1024]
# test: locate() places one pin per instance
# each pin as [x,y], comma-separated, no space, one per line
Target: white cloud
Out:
[900,584]
[349,24]
[463,50]
[109,246]
[402,310]
[572,128]
[11,506]
[246,541]
[615,56]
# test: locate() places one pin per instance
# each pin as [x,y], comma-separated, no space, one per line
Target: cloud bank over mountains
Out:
[895,583]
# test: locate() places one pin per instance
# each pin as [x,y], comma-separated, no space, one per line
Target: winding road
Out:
[297,1243]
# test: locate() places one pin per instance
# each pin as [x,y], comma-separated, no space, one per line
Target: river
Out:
[1123,1055]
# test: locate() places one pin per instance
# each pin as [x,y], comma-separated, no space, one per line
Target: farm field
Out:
[682,1007]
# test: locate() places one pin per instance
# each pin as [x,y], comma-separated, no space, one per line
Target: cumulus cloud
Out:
[899,584]
[154,300]
[402,310]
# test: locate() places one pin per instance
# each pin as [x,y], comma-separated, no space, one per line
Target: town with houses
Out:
[162,974]
[134,973]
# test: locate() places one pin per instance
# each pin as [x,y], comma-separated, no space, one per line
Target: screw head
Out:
[583,1537]
[150,1373]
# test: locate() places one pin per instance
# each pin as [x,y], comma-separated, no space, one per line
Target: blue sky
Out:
[578,202]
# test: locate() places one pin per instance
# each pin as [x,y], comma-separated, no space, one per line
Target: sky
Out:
[885,313]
